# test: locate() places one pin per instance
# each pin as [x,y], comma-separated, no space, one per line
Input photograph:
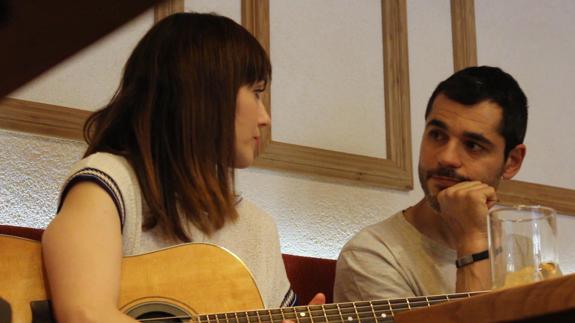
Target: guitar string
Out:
[386,308]
[400,304]
[190,319]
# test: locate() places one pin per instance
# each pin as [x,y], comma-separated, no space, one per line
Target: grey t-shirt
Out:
[392,259]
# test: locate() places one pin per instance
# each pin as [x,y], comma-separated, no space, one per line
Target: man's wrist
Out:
[472,245]
[471,258]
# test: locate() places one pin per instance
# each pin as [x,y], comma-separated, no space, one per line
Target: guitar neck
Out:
[352,312]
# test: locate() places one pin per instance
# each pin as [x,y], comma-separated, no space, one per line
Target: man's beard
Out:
[424,177]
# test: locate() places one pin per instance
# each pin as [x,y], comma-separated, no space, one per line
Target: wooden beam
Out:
[42,119]
[36,35]
[166,8]
[463,34]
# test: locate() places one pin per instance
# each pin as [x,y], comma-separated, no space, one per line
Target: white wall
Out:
[315,216]
[327,89]
[533,40]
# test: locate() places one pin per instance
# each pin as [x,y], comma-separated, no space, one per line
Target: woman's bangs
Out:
[257,63]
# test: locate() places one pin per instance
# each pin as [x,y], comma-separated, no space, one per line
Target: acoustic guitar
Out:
[193,282]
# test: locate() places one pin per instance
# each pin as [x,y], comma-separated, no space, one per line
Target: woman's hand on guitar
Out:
[318,299]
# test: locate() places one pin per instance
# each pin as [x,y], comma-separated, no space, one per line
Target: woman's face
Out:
[251,115]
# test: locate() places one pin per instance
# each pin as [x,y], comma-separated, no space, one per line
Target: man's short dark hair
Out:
[474,85]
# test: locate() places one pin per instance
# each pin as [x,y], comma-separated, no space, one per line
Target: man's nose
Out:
[450,155]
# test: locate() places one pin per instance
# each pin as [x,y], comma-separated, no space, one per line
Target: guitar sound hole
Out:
[160,317]
[158,312]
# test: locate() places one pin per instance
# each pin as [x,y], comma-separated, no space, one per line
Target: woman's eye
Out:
[258,93]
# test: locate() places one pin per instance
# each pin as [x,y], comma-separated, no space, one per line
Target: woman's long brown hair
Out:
[173,118]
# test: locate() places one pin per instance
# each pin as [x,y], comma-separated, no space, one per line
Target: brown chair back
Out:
[309,276]
[23,232]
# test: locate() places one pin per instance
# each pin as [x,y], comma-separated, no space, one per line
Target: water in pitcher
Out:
[529,274]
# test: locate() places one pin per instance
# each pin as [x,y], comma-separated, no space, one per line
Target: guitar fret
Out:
[296,315]
[277,314]
[339,312]
[258,316]
[356,313]
[441,298]
[383,310]
[373,311]
[317,313]
[398,305]
[348,311]
[415,302]
[310,314]
[270,315]
[457,296]
[324,313]
[382,306]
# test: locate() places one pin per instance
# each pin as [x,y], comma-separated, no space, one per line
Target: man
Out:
[475,125]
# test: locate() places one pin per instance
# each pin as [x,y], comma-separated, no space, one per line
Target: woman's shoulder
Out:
[250,213]
[103,164]
[102,160]
[112,172]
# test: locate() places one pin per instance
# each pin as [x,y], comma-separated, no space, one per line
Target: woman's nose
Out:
[264,117]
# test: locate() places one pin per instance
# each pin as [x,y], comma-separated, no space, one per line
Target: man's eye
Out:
[474,147]
[436,135]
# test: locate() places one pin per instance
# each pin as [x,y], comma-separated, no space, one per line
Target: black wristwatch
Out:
[469,259]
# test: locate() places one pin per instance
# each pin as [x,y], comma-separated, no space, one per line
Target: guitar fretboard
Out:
[353,312]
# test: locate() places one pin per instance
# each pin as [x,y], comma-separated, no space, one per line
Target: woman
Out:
[159,169]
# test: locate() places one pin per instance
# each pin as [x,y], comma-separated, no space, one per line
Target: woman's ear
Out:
[514,161]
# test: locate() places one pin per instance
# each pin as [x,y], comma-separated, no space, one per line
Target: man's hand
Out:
[464,207]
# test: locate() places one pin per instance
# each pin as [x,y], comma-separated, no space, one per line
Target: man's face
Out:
[460,143]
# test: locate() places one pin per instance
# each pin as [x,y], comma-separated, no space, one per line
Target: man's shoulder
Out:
[377,234]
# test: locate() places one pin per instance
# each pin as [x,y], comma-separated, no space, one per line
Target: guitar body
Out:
[184,280]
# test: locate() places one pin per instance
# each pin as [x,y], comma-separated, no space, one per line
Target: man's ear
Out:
[514,161]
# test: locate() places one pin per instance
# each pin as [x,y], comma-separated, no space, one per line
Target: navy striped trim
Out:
[290,299]
[101,179]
